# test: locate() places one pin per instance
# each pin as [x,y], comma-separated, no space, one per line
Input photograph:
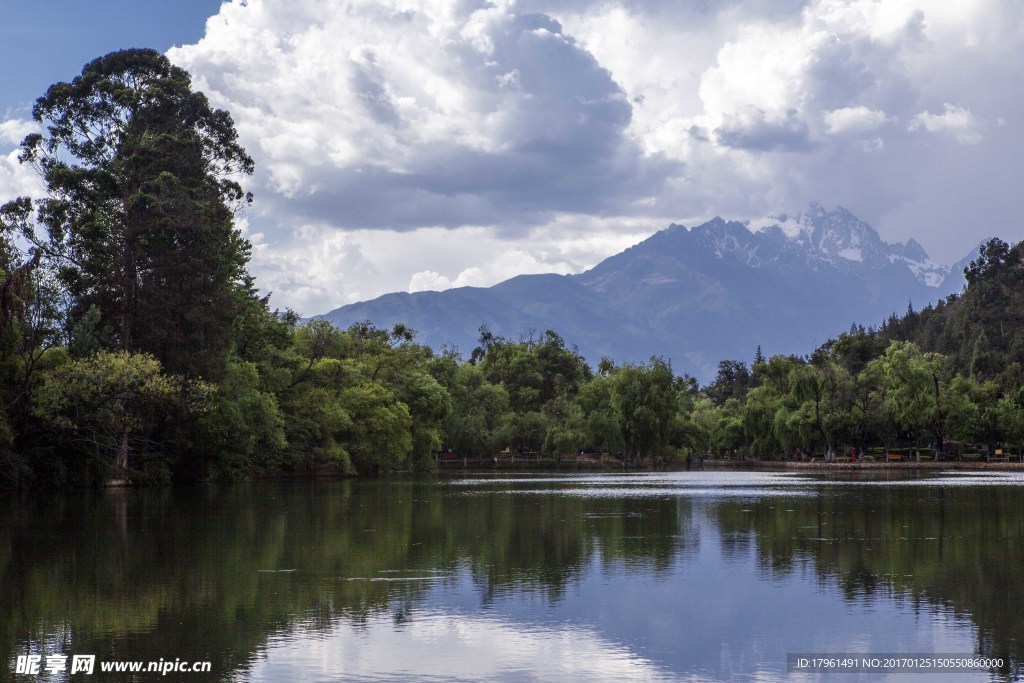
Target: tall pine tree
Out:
[141,173]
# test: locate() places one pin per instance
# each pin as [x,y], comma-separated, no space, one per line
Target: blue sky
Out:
[404,145]
[46,41]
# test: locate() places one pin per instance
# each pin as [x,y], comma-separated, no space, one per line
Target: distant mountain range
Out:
[695,296]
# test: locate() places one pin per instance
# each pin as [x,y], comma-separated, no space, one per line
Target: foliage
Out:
[643,401]
[244,428]
[138,222]
[107,406]
[474,424]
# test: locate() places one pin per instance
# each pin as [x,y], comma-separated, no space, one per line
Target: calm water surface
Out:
[681,576]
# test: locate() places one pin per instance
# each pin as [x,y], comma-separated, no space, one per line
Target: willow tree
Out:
[913,385]
[142,188]
[645,404]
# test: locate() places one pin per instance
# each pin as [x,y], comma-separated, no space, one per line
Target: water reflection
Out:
[703,575]
[456,647]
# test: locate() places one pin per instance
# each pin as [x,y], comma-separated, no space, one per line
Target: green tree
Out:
[868,423]
[567,427]
[992,256]
[429,404]
[728,436]
[797,405]
[379,435]
[733,380]
[1010,412]
[973,411]
[984,362]
[394,360]
[473,425]
[912,383]
[534,371]
[602,430]
[644,402]
[108,404]
[759,411]
[829,386]
[31,323]
[140,172]
[243,431]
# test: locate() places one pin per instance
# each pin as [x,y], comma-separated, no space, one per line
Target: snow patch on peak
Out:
[931,278]
[851,254]
[817,236]
[926,271]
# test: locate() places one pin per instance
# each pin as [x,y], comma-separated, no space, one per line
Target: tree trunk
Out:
[940,426]
[121,459]
[128,284]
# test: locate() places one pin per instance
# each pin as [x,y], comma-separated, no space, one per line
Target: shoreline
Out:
[610,466]
[857,466]
[725,465]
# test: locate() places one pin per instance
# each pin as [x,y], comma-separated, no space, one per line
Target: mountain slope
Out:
[695,296]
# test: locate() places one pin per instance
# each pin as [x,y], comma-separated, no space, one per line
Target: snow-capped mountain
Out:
[695,295]
[838,236]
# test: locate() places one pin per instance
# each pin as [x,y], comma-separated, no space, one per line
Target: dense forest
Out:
[134,345]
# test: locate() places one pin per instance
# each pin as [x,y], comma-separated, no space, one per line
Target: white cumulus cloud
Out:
[854,119]
[13,131]
[956,122]
[401,114]
[16,179]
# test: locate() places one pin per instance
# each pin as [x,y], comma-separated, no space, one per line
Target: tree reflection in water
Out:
[206,573]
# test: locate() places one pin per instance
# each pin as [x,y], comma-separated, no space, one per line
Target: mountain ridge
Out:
[696,295]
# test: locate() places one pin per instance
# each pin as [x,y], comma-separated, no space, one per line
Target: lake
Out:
[664,576]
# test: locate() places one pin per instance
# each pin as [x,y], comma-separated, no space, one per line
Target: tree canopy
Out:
[142,182]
